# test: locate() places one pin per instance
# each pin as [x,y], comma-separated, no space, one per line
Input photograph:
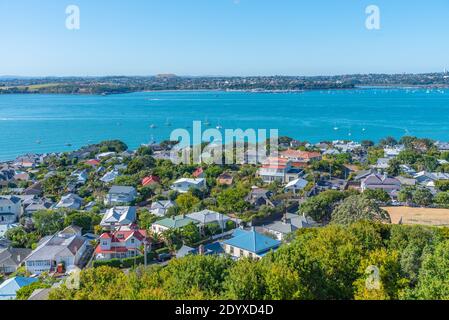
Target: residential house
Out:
[225,179]
[406,181]
[9,288]
[199,173]
[382,163]
[35,189]
[249,243]
[150,180]
[160,208]
[213,248]
[79,177]
[391,152]
[289,223]
[260,197]
[442,146]
[110,176]
[207,217]
[12,258]
[120,244]
[10,209]
[378,181]
[183,185]
[175,222]
[93,162]
[300,156]
[105,155]
[70,201]
[6,176]
[5,227]
[119,216]
[346,146]
[64,248]
[120,195]
[428,178]
[37,205]
[279,169]
[296,185]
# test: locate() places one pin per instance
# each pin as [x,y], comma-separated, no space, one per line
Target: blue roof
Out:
[252,241]
[9,288]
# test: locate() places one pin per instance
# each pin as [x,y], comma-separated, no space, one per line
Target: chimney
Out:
[201,250]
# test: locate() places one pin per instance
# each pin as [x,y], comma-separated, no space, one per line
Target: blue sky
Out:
[222,37]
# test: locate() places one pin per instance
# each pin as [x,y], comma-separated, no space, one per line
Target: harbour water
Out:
[54,123]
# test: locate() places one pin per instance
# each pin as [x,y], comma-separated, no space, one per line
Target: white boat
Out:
[153,126]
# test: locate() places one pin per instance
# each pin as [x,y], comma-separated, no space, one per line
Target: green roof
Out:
[176,222]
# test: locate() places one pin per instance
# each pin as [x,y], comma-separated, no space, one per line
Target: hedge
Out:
[124,263]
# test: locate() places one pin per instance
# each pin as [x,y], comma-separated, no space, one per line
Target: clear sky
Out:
[222,37]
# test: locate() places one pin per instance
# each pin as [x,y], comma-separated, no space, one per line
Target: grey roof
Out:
[13,256]
[122,190]
[57,245]
[40,294]
[208,216]
[291,223]
[184,251]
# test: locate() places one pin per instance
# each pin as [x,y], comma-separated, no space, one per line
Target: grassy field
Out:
[424,216]
[33,87]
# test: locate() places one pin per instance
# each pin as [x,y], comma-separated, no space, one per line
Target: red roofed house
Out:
[124,243]
[301,156]
[199,173]
[147,181]
[93,162]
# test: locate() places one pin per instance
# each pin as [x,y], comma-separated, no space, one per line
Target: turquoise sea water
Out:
[58,120]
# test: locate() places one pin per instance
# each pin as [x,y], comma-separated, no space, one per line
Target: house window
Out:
[231,250]
[132,241]
[105,243]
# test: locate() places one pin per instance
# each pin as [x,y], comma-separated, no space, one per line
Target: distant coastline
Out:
[167,82]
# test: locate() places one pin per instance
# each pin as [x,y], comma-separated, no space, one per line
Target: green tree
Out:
[233,200]
[356,208]
[433,276]
[186,202]
[48,222]
[380,277]
[442,199]
[377,195]
[422,197]
[321,206]
[25,292]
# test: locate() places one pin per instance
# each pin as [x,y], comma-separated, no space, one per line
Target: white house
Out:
[64,247]
[249,244]
[120,244]
[9,288]
[206,217]
[110,176]
[289,223]
[80,177]
[184,184]
[160,208]
[120,195]
[10,209]
[296,185]
[70,201]
[119,216]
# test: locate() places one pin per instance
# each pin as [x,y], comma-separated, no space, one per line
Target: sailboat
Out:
[167,123]
[335,127]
